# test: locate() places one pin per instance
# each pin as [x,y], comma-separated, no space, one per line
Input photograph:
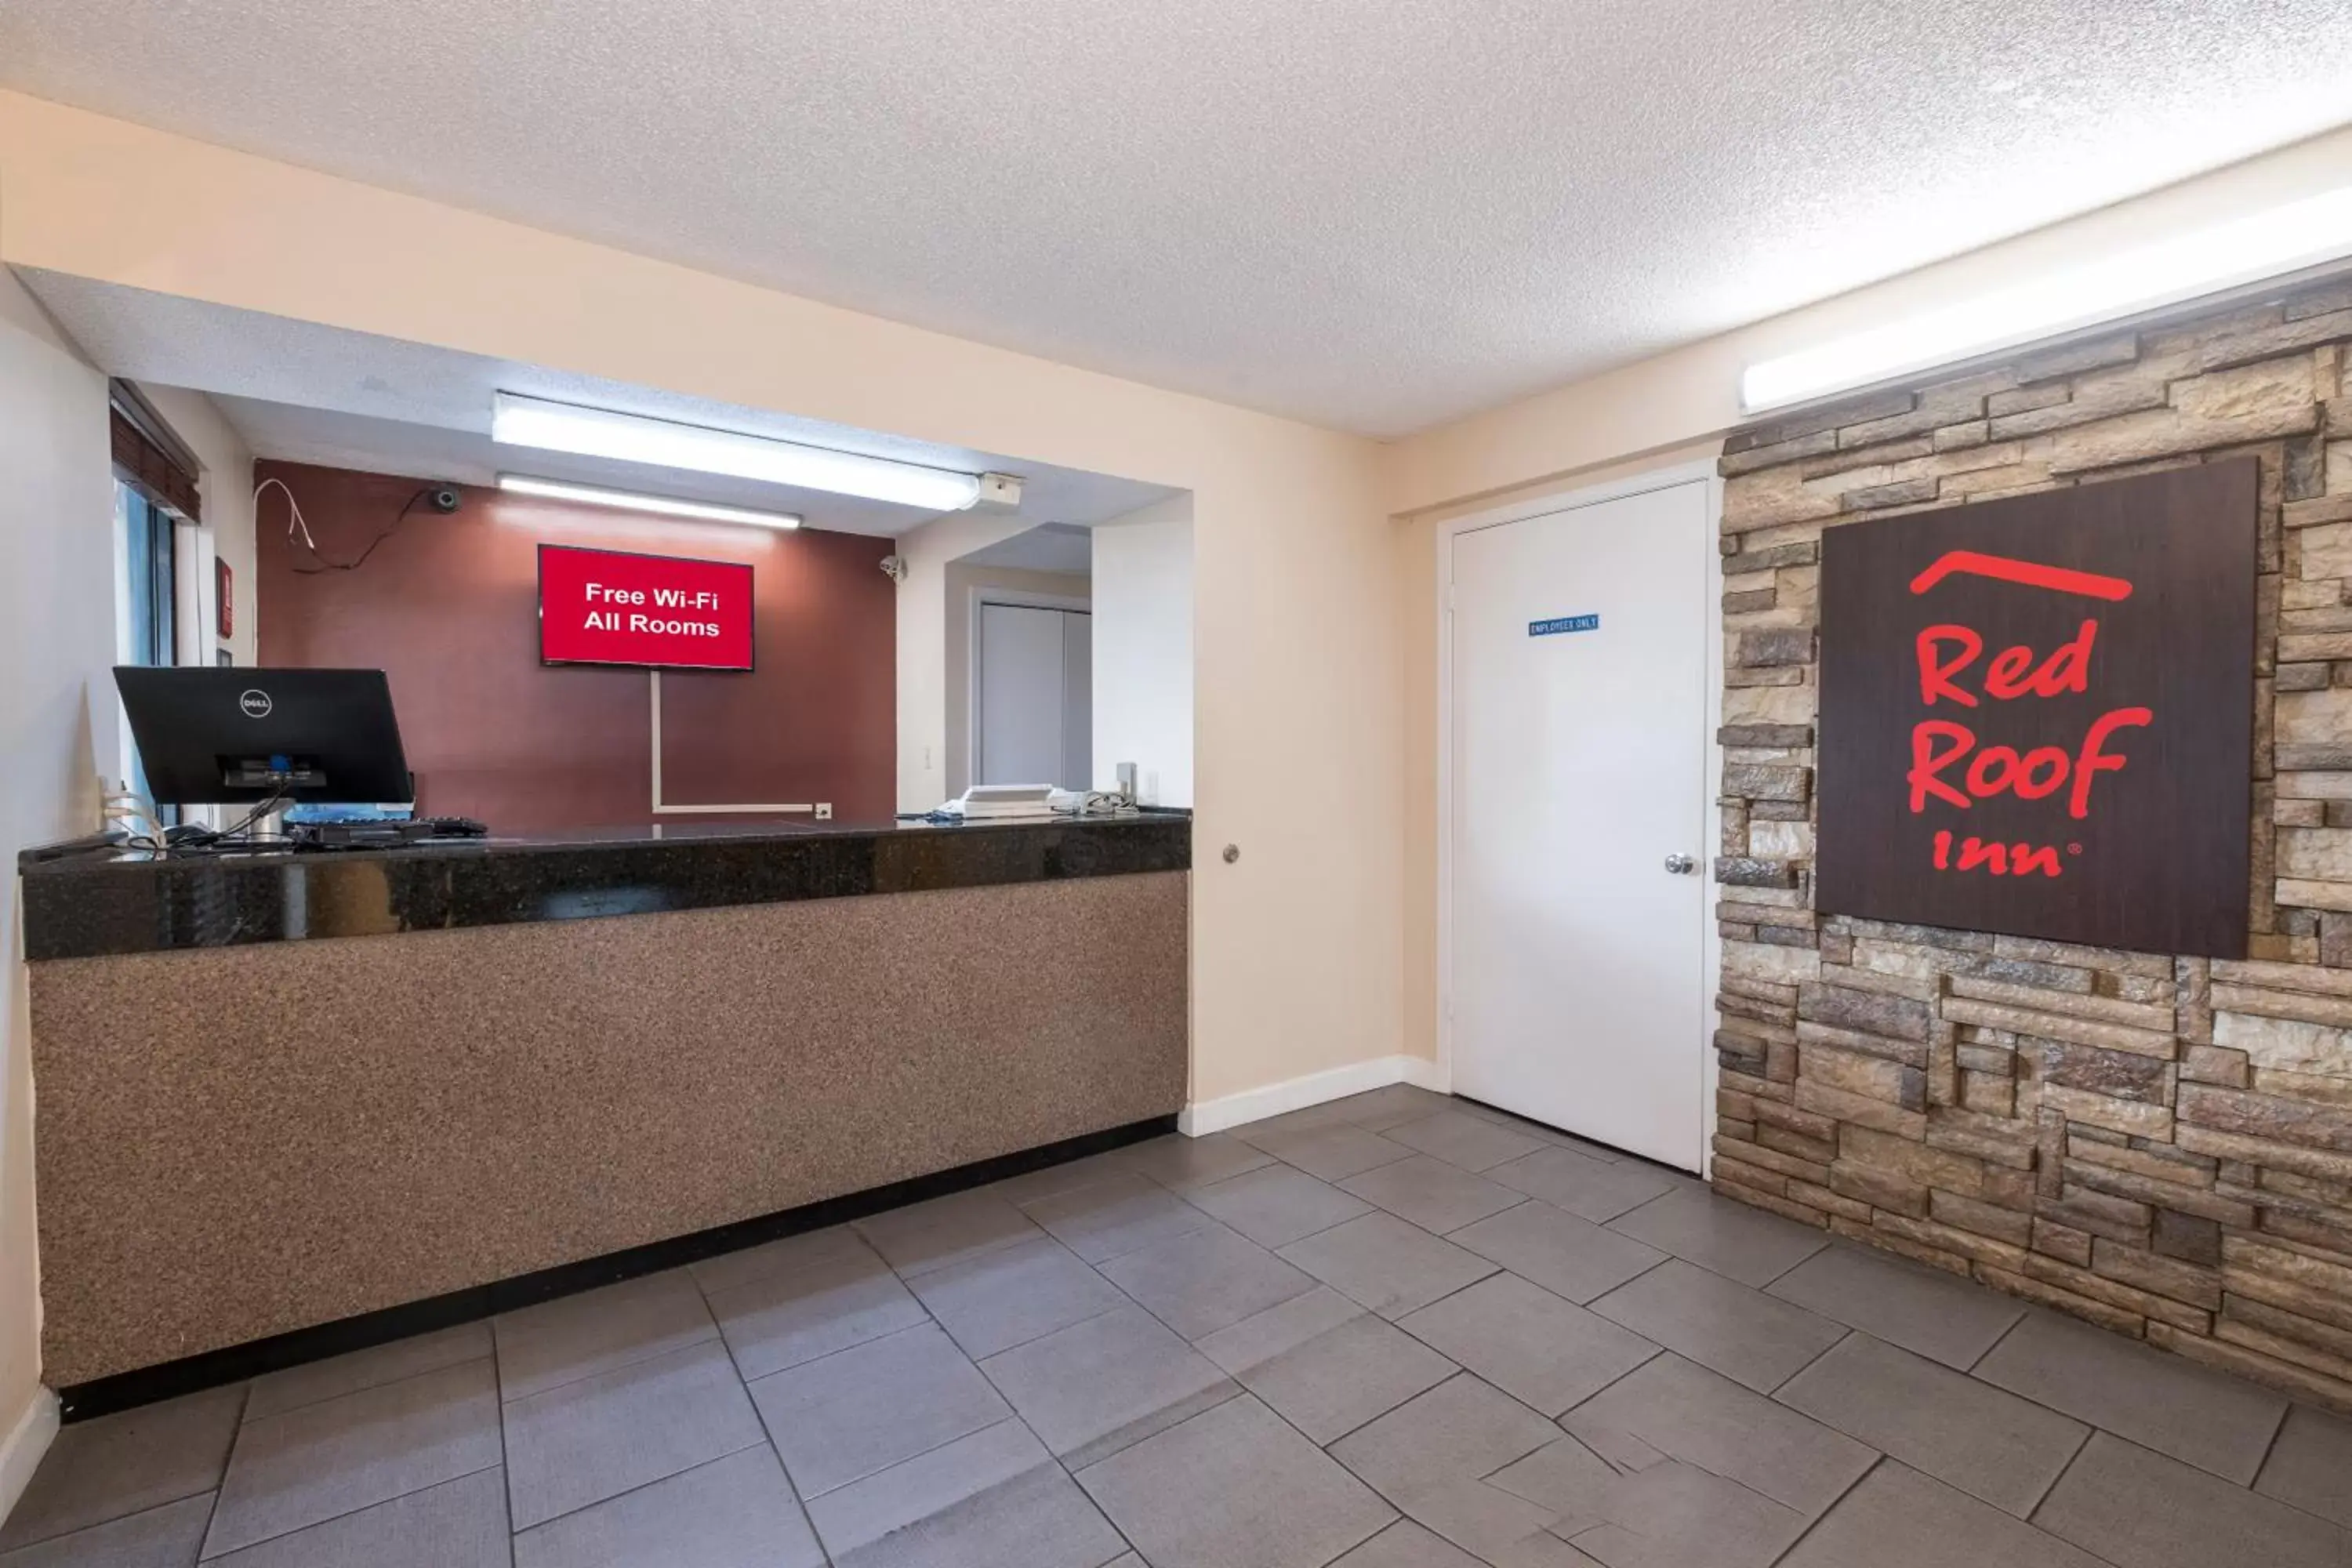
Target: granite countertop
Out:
[83,901]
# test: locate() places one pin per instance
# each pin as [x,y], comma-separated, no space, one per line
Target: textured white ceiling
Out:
[1050,547]
[311,393]
[1374,215]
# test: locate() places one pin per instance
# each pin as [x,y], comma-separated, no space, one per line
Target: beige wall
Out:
[926,745]
[1414,542]
[57,736]
[961,579]
[1293,573]
[1143,650]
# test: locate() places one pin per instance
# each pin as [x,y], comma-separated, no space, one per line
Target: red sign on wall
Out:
[2037,714]
[610,607]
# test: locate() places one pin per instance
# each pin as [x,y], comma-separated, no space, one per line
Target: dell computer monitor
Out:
[209,734]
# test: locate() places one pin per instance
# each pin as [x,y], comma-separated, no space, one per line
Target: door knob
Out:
[1681,865]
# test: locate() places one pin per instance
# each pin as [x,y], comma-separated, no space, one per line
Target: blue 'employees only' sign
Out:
[1559,624]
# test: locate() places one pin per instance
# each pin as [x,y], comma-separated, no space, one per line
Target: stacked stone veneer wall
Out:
[2158,1143]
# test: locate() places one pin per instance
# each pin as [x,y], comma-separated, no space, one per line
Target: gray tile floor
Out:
[1394,1332]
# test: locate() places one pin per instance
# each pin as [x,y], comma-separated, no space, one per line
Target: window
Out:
[145,554]
[150,579]
[155,496]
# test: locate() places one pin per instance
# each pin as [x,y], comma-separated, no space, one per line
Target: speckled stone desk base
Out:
[239,1143]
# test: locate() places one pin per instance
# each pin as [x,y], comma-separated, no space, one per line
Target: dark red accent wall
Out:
[447,607]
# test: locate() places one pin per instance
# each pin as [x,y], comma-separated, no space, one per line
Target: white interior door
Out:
[1578,752]
[1034,691]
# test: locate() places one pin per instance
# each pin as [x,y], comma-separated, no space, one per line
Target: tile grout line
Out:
[499,1391]
[207,1492]
[1224,1393]
[2096,1426]
[1766,1288]
[1458,1371]
[1518,1200]
[1049,1333]
[254,1382]
[1773,1393]
[862,1345]
[243,1423]
[716,1333]
[1246,1392]
[2089,1429]
[1242,1390]
[236,1436]
[1647,1270]
[1323,1448]
[1398,1321]
[2094,1555]
[1611,1225]
[499,1466]
[702,1298]
[1998,1339]
[2089,1432]
[506,1470]
[1815,1523]
[1718,1475]
[349,1513]
[1323,1230]
[1612,1382]
[767,1433]
[2343,1534]
[2342,1529]
[1013,1413]
[1369,1208]
[1072,1476]
[2270,1447]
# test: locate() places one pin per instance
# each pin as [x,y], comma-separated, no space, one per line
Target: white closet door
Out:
[1021,706]
[1580,832]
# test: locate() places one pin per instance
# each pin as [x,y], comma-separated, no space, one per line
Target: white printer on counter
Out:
[999,803]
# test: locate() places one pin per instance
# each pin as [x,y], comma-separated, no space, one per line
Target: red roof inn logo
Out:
[2036,714]
[1946,653]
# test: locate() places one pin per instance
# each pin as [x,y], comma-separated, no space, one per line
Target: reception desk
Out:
[284,1091]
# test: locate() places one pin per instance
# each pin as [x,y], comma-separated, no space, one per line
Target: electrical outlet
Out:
[825,811]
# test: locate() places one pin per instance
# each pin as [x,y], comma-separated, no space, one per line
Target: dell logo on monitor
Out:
[254,704]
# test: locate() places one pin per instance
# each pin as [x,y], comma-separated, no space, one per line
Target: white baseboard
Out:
[21,1449]
[1251,1105]
[1423,1073]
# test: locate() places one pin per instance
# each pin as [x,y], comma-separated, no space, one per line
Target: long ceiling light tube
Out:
[518,421]
[2273,242]
[633,500]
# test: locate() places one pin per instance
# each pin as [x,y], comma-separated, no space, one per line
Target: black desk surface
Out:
[89,902]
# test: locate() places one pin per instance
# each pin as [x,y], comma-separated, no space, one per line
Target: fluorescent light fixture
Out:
[2263,245]
[630,500]
[517,421]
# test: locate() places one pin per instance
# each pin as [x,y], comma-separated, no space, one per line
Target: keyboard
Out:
[379,835]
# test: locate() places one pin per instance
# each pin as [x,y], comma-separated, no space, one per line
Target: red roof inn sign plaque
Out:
[2037,714]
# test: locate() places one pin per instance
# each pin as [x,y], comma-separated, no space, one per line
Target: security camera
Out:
[444,499]
[895,568]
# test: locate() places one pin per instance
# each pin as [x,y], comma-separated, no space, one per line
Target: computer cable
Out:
[443,498]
